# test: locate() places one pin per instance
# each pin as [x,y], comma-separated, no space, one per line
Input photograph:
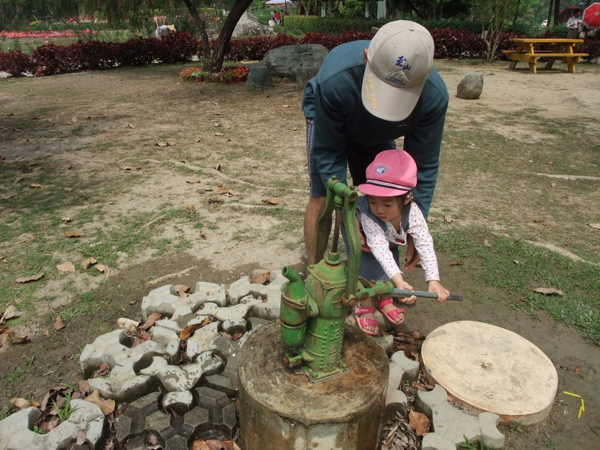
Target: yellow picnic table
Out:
[528,51]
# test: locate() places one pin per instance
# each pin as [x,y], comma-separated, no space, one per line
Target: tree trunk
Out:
[215,64]
[201,27]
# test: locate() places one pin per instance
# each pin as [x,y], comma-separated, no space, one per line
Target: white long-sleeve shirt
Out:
[379,241]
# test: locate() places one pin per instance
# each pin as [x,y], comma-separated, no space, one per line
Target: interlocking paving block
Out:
[125,427]
[227,382]
[201,341]
[270,307]
[161,423]
[182,378]
[15,430]
[217,403]
[85,417]
[178,402]
[209,292]
[452,425]
[176,443]
[233,318]
[194,422]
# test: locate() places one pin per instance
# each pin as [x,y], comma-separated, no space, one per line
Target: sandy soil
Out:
[133,112]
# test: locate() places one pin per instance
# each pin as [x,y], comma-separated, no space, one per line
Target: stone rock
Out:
[470,87]
[296,62]
[178,402]
[259,77]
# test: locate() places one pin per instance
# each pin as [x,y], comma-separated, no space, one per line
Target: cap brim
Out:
[379,191]
[387,102]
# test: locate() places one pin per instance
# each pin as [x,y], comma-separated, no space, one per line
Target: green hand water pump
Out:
[313,314]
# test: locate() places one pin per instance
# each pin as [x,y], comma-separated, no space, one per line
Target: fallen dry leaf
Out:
[221,190]
[27,239]
[430,220]
[88,263]
[218,133]
[73,234]
[190,329]
[10,312]
[101,268]
[595,226]
[66,219]
[538,221]
[548,291]
[259,276]
[202,236]
[216,200]
[190,208]
[20,339]
[285,106]
[28,279]
[419,422]
[106,405]
[6,334]
[129,168]
[151,320]
[58,323]
[35,186]
[456,263]
[66,267]
[81,437]
[448,219]
[218,167]
[21,403]
[194,181]
[141,337]
[132,126]
[271,201]
[181,290]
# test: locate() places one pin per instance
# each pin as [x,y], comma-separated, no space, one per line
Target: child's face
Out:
[386,208]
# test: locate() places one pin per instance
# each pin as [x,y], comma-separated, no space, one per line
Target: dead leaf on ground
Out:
[84,386]
[538,221]
[419,422]
[193,181]
[10,312]
[271,201]
[448,219]
[66,219]
[202,236]
[6,334]
[222,190]
[66,267]
[132,126]
[218,133]
[595,226]
[81,437]
[35,186]
[151,320]
[26,239]
[164,144]
[101,268]
[456,263]
[216,200]
[106,405]
[58,323]
[190,329]
[430,220]
[129,168]
[190,208]
[88,263]
[141,337]
[214,444]
[22,403]
[285,106]
[260,276]
[28,279]
[73,234]
[516,261]
[181,290]
[548,291]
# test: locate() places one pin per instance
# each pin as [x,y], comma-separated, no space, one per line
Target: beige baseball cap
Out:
[399,60]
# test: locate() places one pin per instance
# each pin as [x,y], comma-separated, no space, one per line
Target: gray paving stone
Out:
[178,402]
[176,443]
[161,423]
[194,422]
[209,292]
[227,382]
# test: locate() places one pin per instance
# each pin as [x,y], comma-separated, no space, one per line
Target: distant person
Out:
[273,16]
[544,23]
[277,17]
[163,30]
[387,216]
[574,25]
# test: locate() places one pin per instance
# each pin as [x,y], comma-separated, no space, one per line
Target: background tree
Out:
[493,15]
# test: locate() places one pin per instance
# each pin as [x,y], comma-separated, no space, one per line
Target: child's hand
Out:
[401,284]
[441,291]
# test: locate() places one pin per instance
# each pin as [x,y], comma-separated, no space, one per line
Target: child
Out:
[387,214]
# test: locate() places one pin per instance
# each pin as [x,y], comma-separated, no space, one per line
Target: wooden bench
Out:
[562,50]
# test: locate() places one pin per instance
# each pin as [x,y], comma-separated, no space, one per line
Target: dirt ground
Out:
[104,129]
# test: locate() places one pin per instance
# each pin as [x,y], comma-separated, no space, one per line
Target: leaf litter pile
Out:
[406,433]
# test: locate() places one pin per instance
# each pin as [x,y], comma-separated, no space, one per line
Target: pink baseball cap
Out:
[392,173]
[399,61]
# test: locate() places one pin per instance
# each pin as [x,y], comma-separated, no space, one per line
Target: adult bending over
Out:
[366,95]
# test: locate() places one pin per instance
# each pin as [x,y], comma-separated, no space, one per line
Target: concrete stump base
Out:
[281,408]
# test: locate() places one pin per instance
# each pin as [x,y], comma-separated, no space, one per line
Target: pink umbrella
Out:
[591,16]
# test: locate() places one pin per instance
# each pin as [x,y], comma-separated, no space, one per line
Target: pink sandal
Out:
[365,322]
[391,315]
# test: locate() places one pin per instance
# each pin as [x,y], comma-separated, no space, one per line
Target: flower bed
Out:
[226,75]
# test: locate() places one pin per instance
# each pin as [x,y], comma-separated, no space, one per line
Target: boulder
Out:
[296,62]
[470,87]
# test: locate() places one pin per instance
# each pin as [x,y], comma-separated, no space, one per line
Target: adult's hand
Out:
[412,256]
[363,242]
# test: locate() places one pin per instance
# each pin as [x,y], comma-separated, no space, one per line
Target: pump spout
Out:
[294,302]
